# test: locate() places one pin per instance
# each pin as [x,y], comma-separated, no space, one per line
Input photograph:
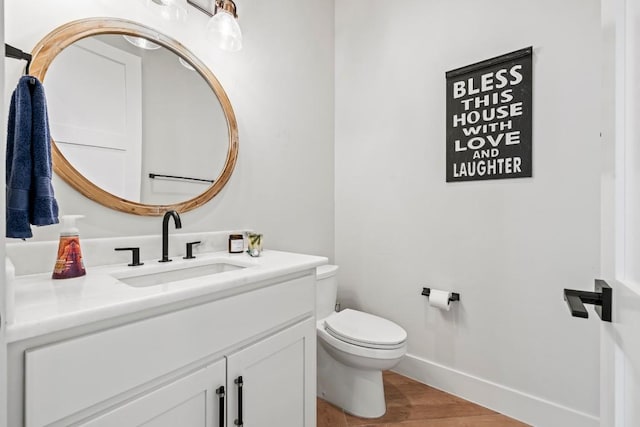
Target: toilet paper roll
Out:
[440,299]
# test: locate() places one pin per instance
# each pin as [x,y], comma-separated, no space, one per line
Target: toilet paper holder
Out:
[454,296]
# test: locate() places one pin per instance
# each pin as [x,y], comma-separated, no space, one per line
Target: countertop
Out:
[43,305]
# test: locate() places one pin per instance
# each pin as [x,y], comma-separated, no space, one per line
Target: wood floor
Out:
[412,404]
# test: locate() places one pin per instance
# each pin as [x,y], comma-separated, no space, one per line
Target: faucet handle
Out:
[135,252]
[190,249]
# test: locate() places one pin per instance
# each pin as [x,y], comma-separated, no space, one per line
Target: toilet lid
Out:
[365,330]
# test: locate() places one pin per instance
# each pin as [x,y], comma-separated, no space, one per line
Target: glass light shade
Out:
[171,10]
[142,43]
[223,29]
[185,64]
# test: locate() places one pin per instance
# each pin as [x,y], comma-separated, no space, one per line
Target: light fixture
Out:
[185,64]
[223,27]
[142,43]
[171,10]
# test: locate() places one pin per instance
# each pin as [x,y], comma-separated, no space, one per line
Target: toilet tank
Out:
[326,290]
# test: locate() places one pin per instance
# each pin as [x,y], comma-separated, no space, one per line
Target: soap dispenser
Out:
[69,261]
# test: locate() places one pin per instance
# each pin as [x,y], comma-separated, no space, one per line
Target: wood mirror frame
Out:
[53,43]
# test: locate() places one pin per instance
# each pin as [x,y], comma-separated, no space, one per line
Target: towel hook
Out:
[14,52]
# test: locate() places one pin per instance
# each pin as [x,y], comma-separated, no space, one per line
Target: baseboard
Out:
[513,403]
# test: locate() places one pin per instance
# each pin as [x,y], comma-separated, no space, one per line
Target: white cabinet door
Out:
[190,401]
[278,380]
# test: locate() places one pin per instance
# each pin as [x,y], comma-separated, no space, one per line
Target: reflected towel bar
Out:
[185,178]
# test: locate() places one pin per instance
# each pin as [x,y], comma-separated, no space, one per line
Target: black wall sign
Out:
[489,119]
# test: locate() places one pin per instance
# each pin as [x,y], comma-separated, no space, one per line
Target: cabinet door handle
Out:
[220,393]
[238,382]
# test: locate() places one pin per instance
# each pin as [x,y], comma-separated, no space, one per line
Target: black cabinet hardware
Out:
[602,298]
[135,258]
[220,393]
[239,384]
[190,249]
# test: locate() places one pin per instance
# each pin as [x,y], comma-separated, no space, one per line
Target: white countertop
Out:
[43,305]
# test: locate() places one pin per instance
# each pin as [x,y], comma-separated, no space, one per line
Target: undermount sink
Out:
[181,272]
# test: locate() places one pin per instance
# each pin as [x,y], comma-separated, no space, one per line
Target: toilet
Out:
[353,349]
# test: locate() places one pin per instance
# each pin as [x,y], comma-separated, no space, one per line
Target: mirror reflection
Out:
[120,114]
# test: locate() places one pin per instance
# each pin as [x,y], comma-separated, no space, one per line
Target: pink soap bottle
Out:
[69,260]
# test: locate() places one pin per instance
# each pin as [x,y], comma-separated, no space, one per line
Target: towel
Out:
[30,198]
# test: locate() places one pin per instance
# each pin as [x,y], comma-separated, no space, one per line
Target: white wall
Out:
[184,130]
[281,88]
[508,247]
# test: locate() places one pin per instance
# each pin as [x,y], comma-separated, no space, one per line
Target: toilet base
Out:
[359,392]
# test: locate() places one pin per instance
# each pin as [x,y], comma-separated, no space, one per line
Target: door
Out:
[620,339]
[103,142]
[3,283]
[272,383]
[191,401]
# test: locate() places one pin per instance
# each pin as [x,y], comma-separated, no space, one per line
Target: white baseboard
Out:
[513,403]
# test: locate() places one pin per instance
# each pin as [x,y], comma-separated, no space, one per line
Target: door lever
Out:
[602,298]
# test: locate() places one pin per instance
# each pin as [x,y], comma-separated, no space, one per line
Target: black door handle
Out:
[602,298]
[239,383]
[220,393]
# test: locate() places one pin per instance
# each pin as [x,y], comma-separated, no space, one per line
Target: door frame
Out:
[3,285]
[618,128]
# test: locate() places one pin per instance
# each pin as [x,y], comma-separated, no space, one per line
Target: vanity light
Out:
[171,10]
[223,26]
[142,43]
[185,64]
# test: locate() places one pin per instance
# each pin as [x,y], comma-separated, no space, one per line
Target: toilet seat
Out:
[365,330]
[337,345]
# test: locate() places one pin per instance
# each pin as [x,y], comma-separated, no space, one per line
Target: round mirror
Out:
[138,123]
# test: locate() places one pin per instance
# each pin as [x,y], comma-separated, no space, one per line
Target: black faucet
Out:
[165,232]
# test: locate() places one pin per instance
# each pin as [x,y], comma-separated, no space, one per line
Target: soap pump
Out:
[69,260]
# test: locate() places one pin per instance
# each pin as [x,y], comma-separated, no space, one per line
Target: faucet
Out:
[165,232]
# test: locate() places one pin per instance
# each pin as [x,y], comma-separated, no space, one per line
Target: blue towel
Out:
[30,198]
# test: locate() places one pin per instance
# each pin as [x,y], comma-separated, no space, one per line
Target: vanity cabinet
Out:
[265,387]
[274,376]
[187,402]
[165,370]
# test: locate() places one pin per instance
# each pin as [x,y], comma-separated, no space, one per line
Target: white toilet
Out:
[353,350]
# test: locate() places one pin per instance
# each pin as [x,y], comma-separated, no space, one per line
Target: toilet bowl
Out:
[353,349]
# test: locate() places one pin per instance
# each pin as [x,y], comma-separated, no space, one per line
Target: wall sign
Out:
[489,119]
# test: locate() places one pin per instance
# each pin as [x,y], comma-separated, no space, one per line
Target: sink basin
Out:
[181,272]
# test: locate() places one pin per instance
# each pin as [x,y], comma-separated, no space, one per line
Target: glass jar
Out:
[255,244]
[236,243]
